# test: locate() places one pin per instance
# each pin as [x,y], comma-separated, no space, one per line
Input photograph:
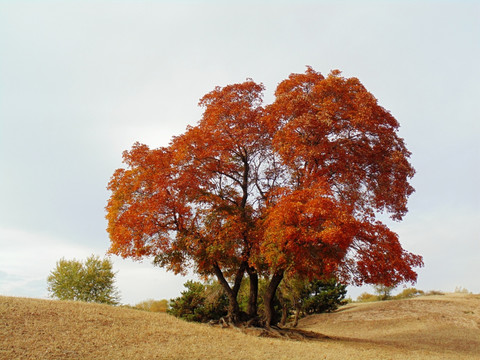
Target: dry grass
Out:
[446,327]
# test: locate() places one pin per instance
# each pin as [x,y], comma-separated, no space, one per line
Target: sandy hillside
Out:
[445,327]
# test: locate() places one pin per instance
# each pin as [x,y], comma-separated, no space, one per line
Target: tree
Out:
[345,165]
[195,202]
[90,281]
[383,292]
[291,189]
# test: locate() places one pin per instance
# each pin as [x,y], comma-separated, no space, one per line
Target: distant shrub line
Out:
[382,293]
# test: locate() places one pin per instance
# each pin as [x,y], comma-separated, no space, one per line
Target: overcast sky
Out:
[81,81]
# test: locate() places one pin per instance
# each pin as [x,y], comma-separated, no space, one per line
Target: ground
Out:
[434,327]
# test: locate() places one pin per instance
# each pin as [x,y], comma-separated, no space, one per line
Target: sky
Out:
[81,81]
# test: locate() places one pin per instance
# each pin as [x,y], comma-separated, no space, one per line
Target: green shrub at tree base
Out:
[199,302]
[323,296]
[205,302]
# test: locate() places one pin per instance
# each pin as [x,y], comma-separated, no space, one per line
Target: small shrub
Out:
[300,297]
[408,293]
[461,290]
[384,292]
[366,297]
[153,305]
[199,302]
[434,292]
[323,296]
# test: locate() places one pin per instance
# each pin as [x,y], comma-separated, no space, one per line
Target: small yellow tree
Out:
[153,305]
[90,281]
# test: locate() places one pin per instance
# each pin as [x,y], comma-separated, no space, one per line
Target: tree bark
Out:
[239,277]
[283,320]
[233,308]
[269,297]
[297,315]
[253,295]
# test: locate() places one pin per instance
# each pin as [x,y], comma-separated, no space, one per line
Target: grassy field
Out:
[433,327]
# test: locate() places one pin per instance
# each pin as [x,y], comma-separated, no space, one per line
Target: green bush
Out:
[205,302]
[199,302]
[299,297]
[323,296]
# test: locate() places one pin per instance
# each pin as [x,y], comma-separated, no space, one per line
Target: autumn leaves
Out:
[288,188]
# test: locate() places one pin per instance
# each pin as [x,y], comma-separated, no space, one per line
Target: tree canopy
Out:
[291,188]
[92,281]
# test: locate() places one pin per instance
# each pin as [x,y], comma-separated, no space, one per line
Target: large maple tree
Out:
[295,187]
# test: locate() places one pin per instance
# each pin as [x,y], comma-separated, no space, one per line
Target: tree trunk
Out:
[233,314]
[283,320]
[284,302]
[239,277]
[253,296]
[297,315]
[233,308]
[269,297]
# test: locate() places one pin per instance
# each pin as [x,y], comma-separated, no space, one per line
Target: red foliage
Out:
[294,187]
[345,164]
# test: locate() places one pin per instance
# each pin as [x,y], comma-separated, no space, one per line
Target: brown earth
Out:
[434,327]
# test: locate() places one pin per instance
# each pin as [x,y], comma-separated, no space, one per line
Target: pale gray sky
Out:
[81,81]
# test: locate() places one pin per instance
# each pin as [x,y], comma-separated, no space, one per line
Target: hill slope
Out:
[426,328]
[448,324]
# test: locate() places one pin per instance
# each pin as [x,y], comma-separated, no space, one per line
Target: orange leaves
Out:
[380,258]
[333,128]
[294,186]
[193,200]
[331,131]
[143,207]
[311,227]
[232,118]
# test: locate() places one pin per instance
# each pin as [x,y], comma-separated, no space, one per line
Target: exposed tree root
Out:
[253,328]
[286,333]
